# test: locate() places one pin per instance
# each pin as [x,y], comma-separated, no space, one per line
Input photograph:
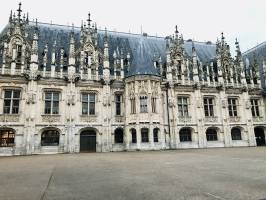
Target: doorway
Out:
[260,136]
[88,141]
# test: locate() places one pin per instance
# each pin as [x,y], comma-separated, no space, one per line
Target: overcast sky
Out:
[201,20]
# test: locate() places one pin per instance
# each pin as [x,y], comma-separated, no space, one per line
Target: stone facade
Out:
[92,90]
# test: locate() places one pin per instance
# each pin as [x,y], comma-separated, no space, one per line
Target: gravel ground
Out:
[196,174]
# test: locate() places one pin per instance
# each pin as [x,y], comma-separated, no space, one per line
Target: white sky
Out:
[201,20]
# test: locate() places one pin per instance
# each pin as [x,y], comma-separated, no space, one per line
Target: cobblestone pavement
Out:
[198,174]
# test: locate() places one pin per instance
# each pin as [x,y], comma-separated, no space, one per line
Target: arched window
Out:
[236,134]
[185,135]
[119,135]
[144,135]
[7,138]
[50,138]
[134,135]
[155,135]
[211,135]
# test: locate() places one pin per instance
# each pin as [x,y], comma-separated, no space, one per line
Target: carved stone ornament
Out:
[31,99]
[32,75]
[51,118]
[171,102]
[71,99]
[9,118]
[211,119]
[106,101]
[247,104]
[224,103]
[142,88]
[72,78]
[88,119]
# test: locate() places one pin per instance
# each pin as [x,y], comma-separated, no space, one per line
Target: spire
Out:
[72,29]
[237,45]
[81,25]
[194,53]
[222,39]
[53,52]
[95,25]
[19,11]
[106,50]
[71,60]
[27,18]
[176,32]
[89,20]
[45,51]
[238,52]
[36,24]
[10,17]
[105,38]
[106,64]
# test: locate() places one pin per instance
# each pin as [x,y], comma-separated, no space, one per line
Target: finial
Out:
[19,11]
[236,42]
[89,20]
[222,35]
[176,30]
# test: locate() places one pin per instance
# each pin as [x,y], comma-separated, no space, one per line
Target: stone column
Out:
[138,130]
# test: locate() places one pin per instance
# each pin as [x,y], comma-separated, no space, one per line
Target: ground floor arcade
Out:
[14,141]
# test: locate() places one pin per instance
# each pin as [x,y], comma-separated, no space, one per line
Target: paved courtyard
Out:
[228,173]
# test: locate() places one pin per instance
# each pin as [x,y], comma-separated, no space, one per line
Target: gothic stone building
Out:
[67,89]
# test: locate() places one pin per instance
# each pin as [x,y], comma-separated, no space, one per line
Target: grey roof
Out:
[142,48]
[259,53]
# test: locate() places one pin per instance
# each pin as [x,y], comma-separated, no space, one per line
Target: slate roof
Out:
[259,53]
[142,48]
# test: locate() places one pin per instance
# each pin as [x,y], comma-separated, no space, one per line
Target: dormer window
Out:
[179,71]
[118,100]
[87,59]
[19,53]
